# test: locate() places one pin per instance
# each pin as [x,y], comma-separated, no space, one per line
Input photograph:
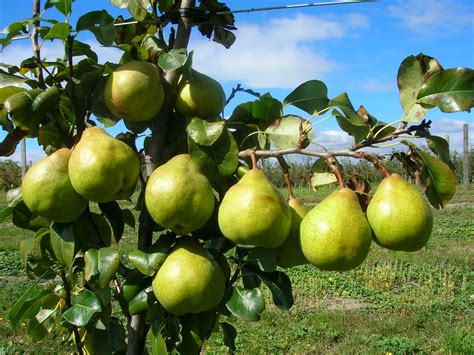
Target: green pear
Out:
[254,212]
[291,253]
[335,236]
[200,96]
[47,190]
[190,280]
[102,168]
[134,91]
[178,196]
[399,216]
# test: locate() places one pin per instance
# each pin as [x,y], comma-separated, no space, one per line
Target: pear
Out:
[47,190]
[134,91]
[253,212]
[291,253]
[102,168]
[399,216]
[190,280]
[178,196]
[199,96]
[335,236]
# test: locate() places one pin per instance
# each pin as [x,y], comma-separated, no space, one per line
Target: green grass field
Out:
[395,302]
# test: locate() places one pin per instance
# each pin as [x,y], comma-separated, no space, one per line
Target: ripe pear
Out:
[190,280]
[102,168]
[134,91]
[199,96]
[178,196]
[399,216]
[335,236]
[47,190]
[291,253]
[254,212]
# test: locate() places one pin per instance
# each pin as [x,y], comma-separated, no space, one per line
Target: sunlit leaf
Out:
[62,242]
[287,131]
[440,180]
[310,97]
[246,304]
[173,60]
[203,132]
[451,90]
[59,30]
[83,308]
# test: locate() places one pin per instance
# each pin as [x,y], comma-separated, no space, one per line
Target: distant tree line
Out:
[300,170]
[10,171]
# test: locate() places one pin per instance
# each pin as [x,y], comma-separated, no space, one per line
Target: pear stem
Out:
[377,163]
[332,163]
[286,174]
[253,157]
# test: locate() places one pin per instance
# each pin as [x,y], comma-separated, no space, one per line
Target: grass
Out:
[396,302]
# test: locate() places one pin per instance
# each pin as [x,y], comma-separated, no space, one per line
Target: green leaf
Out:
[7,91]
[451,90]
[62,242]
[156,341]
[60,31]
[204,133]
[138,8]
[14,197]
[80,48]
[266,109]
[229,333]
[147,263]
[114,214]
[14,29]
[63,6]
[165,5]
[142,301]
[439,146]
[413,72]
[128,218]
[7,79]
[101,24]
[279,284]
[122,4]
[286,132]
[440,180]
[173,60]
[28,305]
[24,218]
[102,263]
[220,159]
[322,174]
[310,97]
[83,308]
[41,325]
[5,213]
[241,112]
[264,258]
[246,304]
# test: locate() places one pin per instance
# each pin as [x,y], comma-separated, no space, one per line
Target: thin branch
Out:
[35,44]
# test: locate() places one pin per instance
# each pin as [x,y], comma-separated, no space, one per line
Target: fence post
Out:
[465,161]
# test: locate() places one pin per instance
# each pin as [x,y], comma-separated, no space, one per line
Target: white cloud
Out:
[50,51]
[280,54]
[430,17]
[375,85]
[446,127]
[332,139]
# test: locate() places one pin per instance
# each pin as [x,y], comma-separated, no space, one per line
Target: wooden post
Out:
[465,161]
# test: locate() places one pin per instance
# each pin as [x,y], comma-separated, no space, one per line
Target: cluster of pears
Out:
[59,186]
[336,234]
[135,93]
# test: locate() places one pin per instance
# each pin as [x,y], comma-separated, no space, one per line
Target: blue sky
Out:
[353,48]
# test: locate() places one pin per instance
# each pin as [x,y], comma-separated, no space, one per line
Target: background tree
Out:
[10,174]
[59,102]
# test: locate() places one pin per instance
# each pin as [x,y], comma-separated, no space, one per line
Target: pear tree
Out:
[211,229]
